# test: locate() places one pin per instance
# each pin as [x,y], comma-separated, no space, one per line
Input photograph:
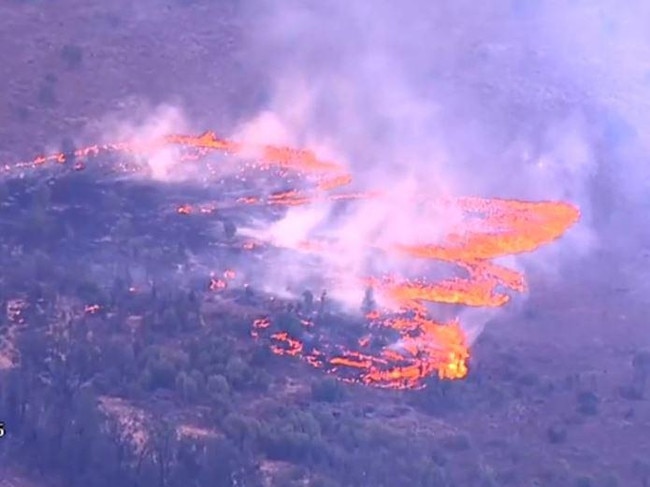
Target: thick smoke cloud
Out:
[522,99]
[144,123]
[509,98]
[517,99]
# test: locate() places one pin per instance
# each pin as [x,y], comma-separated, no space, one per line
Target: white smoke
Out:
[135,121]
[509,98]
[453,98]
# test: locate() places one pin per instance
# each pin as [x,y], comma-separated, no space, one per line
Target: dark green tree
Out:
[308,301]
[641,366]
[368,305]
[72,56]
[327,390]
[588,402]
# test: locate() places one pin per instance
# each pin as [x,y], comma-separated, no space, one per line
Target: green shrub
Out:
[46,95]
[327,390]
[458,442]
[72,56]
[584,481]
[588,403]
[556,433]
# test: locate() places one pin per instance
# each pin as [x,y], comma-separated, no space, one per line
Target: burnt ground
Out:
[576,334]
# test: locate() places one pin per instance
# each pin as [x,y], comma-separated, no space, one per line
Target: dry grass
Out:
[8,353]
[196,432]
[132,421]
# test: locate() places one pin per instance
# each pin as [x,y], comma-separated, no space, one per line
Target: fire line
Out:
[425,346]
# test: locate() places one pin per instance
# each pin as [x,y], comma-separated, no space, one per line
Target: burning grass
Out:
[423,345]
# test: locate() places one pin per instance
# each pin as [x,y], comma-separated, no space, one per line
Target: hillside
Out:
[114,374]
[128,353]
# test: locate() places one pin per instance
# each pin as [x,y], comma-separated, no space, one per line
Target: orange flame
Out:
[217,284]
[184,209]
[425,346]
[91,309]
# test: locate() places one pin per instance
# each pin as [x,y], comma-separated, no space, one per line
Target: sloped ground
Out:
[152,51]
[581,332]
[580,335]
[16,478]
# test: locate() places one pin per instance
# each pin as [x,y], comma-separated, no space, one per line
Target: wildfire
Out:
[217,284]
[184,209]
[92,309]
[425,346]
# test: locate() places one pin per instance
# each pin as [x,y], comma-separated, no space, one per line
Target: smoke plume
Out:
[530,100]
[509,99]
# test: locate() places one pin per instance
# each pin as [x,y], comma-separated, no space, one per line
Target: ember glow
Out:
[424,346]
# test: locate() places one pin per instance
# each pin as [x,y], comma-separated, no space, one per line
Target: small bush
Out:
[21,114]
[327,390]
[72,56]
[68,149]
[46,95]
[556,433]
[584,481]
[229,229]
[529,379]
[631,392]
[641,470]
[588,403]
[439,458]
[459,442]
[610,480]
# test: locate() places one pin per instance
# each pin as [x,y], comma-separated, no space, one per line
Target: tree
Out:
[81,431]
[323,303]
[588,403]
[584,481]
[241,430]
[308,301]
[327,390]
[290,323]
[237,372]
[43,196]
[163,438]
[46,95]
[556,433]
[641,365]
[187,462]
[229,229]
[186,387]
[218,386]
[226,472]
[72,56]
[68,149]
[248,293]
[641,469]
[368,305]
[160,373]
